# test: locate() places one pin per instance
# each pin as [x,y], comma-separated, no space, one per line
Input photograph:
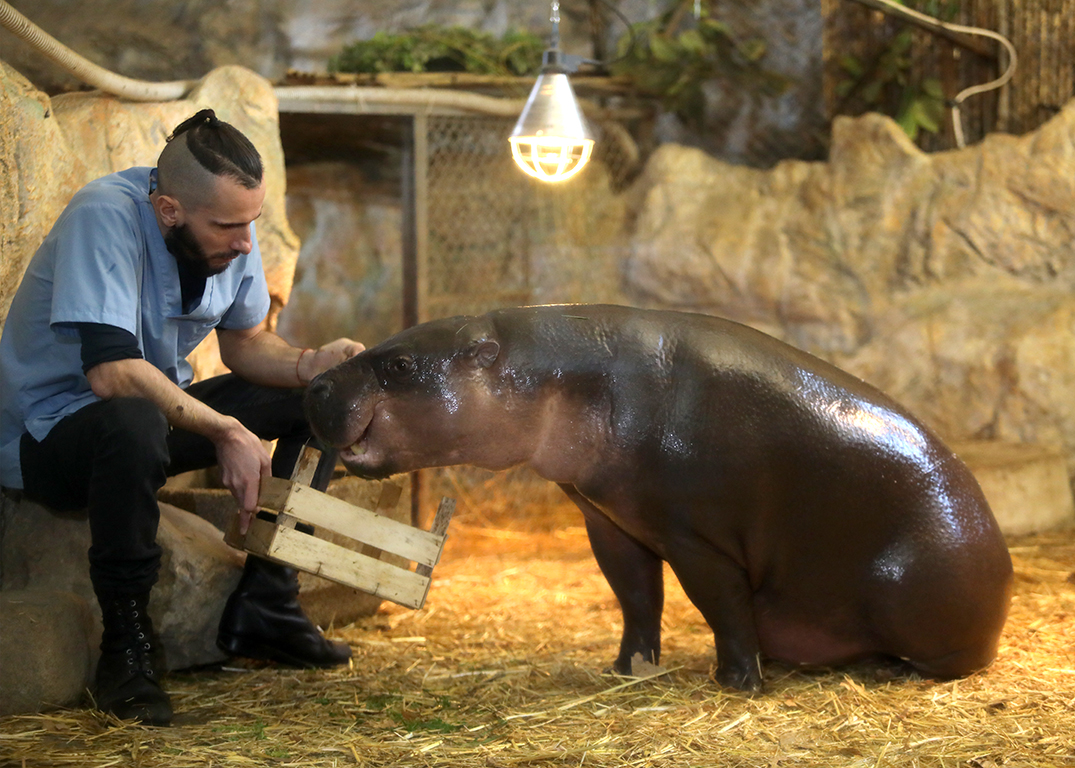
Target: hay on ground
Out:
[504,667]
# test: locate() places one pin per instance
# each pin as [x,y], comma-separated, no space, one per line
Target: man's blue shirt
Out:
[105,261]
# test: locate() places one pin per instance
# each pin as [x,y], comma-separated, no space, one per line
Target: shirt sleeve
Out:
[106,344]
[98,268]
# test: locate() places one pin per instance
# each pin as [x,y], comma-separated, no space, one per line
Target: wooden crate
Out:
[298,513]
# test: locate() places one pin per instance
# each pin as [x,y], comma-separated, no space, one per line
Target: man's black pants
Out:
[111,457]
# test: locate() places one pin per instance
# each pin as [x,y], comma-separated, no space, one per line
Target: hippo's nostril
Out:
[319,389]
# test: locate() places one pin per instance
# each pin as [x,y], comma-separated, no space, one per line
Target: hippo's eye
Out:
[400,367]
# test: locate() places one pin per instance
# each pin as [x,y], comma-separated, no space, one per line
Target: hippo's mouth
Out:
[357,449]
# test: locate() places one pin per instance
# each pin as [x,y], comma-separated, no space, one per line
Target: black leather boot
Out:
[263,620]
[128,674]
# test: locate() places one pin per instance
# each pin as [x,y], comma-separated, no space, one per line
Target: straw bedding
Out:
[504,667]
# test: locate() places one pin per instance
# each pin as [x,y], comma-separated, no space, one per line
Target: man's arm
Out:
[241,456]
[262,357]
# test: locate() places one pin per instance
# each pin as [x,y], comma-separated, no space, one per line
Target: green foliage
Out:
[443,49]
[415,723]
[664,61]
[244,729]
[380,701]
[922,108]
[886,84]
[674,66]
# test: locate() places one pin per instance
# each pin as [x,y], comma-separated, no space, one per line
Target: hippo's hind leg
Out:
[720,590]
[636,576]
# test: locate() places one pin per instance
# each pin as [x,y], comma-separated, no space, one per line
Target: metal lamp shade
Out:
[551,140]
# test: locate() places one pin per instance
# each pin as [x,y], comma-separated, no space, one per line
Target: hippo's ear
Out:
[483,353]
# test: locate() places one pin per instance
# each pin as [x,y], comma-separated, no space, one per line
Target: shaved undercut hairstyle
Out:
[202,148]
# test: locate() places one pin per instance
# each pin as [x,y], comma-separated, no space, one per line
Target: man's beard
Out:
[181,244]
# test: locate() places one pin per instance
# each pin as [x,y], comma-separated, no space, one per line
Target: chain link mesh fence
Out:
[499,238]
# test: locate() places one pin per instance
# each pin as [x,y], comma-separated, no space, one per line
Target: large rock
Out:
[44,649]
[349,273]
[45,550]
[945,279]
[38,175]
[1026,485]
[980,359]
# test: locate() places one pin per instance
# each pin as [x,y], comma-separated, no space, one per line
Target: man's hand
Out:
[244,463]
[327,356]
[262,357]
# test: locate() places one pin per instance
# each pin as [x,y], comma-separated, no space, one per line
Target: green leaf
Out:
[662,50]
[932,87]
[871,94]
[908,124]
[711,27]
[691,41]
[852,65]
[925,116]
[753,49]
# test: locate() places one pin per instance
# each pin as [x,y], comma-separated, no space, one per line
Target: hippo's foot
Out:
[742,675]
[639,664]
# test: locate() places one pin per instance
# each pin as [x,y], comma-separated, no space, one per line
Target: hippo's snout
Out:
[318,391]
[326,411]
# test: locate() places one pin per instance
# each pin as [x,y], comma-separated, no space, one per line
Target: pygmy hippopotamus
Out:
[809,517]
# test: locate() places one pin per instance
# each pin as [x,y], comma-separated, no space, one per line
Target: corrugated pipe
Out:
[86,70]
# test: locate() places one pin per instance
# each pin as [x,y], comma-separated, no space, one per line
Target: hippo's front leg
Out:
[636,576]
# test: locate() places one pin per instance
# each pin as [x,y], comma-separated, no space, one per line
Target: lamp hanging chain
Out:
[555,19]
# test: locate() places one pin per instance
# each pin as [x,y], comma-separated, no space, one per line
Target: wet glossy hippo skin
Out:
[808,517]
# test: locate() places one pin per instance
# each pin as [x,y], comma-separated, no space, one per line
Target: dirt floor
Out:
[504,667]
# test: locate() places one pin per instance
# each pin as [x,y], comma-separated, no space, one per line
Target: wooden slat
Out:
[306,466]
[259,537]
[321,510]
[440,530]
[386,502]
[314,555]
[273,493]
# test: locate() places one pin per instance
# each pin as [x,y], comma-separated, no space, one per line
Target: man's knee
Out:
[136,424]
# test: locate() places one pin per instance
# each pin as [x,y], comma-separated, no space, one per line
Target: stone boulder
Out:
[44,552]
[44,655]
[945,279]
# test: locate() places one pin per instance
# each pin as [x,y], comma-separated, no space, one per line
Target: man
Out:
[98,406]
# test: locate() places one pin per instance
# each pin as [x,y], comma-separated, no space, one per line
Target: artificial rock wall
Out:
[945,279]
[948,279]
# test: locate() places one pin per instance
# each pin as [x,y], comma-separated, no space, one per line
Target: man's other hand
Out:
[243,462]
[327,356]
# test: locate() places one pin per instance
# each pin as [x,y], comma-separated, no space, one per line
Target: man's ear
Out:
[169,210]
[483,353]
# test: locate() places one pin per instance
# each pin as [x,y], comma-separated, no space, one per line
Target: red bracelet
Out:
[297,377]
